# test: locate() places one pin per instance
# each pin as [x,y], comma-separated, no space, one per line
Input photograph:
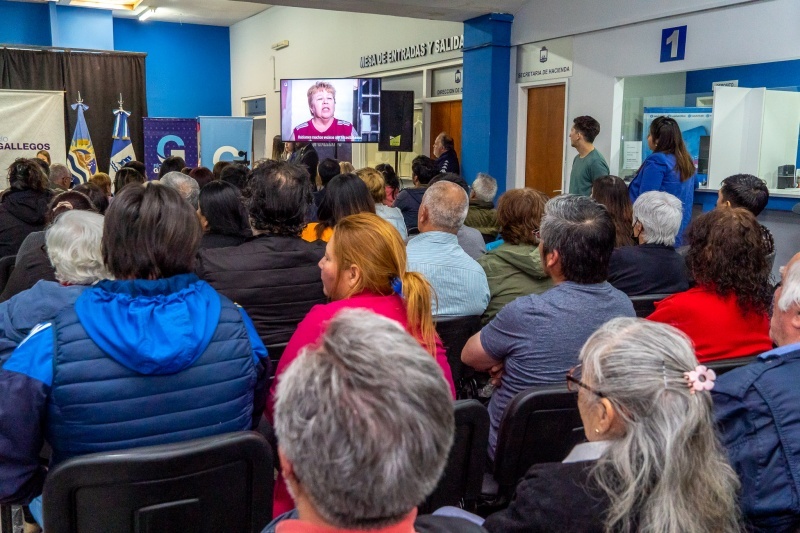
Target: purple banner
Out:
[166,137]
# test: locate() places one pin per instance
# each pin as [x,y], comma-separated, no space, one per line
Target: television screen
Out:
[331,110]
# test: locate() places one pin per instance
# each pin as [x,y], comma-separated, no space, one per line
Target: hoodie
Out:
[132,363]
[21,213]
[513,270]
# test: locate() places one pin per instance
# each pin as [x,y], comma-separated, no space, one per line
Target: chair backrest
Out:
[455,332]
[540,425]
[721,366]
[645,304]
[6,268]
[463,475]
[220,483]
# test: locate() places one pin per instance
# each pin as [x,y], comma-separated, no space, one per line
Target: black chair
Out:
[540,425]
[645,304]
[721,366]
[461,481]
[5,519]
[6,268]
[220,483]
[455,332]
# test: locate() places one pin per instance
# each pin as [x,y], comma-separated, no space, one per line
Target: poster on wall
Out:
[546,60]
[695,125]
[167,137]
[31,121]
[225,139]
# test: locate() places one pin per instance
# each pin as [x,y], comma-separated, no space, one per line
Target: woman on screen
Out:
[323,126]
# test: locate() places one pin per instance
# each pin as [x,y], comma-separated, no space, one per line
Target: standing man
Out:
[444,150]
[589,164]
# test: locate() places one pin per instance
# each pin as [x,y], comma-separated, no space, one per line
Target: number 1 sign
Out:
[673,44]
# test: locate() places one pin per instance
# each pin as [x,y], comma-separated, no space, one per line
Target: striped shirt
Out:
[458,281]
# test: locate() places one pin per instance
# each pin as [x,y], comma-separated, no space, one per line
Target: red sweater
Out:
[716,325]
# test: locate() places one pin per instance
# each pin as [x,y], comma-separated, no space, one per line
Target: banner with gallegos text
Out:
[31,121]
[225,139]
[81,159]
[121,147]
[167,137]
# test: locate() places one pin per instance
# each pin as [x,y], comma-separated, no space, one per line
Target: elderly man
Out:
[653,267]
[364,468]
[756,412]
[458,280]
[184,184]
[535,339]
[444,149]
[60,178]
[482,215]
[274,275]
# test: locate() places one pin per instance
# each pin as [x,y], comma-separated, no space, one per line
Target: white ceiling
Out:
[229,12]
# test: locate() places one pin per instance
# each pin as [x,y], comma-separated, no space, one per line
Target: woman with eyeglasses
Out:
[669,168]
[653,461]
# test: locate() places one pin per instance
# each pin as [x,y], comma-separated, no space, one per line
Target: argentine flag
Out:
[121,149]
[81,158]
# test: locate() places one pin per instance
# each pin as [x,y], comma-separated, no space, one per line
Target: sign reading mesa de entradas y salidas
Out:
[437,46]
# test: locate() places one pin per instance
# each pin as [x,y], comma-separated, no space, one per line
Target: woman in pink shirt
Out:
[365,267]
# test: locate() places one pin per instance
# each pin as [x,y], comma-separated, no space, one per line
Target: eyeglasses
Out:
[574,381]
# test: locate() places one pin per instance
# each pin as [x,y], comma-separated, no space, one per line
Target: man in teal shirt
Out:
[589,164]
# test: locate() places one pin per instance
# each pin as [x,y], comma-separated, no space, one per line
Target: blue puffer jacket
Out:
[132,363]
[756,408]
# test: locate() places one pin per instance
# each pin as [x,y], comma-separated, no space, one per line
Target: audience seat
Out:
[220,483]
[721,366]
[455,332]
[461,481]
[645,304]
[540,425]
[6,268]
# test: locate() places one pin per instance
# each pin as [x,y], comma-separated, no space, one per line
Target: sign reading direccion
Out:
[437,46]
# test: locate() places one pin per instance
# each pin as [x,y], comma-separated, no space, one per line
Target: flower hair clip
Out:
[700,379]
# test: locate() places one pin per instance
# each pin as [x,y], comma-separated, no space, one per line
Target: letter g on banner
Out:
[162,147]
[225,150]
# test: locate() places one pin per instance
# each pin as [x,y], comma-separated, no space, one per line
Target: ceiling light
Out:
[146,14]
[128,5]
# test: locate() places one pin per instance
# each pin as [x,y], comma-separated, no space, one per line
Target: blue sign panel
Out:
[673,44]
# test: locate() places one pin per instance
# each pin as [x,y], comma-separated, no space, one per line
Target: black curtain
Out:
[100,77]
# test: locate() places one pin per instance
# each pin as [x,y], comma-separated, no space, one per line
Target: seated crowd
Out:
[213,301]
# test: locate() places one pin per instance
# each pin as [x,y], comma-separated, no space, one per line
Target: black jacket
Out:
[217,240]
[32,265]
[448,162]
[21,213]
[553,497]
[276,280]
[307,156]
[408,202]
[648,269]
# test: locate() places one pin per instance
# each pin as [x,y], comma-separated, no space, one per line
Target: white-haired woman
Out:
[653,267]
[73,246]
[653,461]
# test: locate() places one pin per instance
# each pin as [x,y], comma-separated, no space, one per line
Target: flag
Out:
[121,148]
[81,159]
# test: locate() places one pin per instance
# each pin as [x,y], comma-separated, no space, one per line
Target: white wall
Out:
[321,44]
[749,33]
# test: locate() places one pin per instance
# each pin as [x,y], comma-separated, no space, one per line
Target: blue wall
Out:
[81,27]
[24,23]
[188,66]
[770,75]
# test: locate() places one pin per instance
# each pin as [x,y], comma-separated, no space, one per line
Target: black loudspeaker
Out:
[397,121]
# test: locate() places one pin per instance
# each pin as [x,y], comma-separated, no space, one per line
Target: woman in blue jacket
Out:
[669,169]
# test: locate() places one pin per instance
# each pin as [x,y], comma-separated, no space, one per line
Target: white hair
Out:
[444,210]
[366,420]
[59,171]
[73,246]
[186,185]
[651,472]
[484,187]
[790,287]
[660,214]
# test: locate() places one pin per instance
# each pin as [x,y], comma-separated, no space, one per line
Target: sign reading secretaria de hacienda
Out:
[436,46]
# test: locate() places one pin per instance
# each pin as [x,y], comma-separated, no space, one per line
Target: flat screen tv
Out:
[331,110]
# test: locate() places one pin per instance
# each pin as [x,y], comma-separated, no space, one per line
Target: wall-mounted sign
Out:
[446,81]
[544,61]
[728,83]
[427,48]
[673,44]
